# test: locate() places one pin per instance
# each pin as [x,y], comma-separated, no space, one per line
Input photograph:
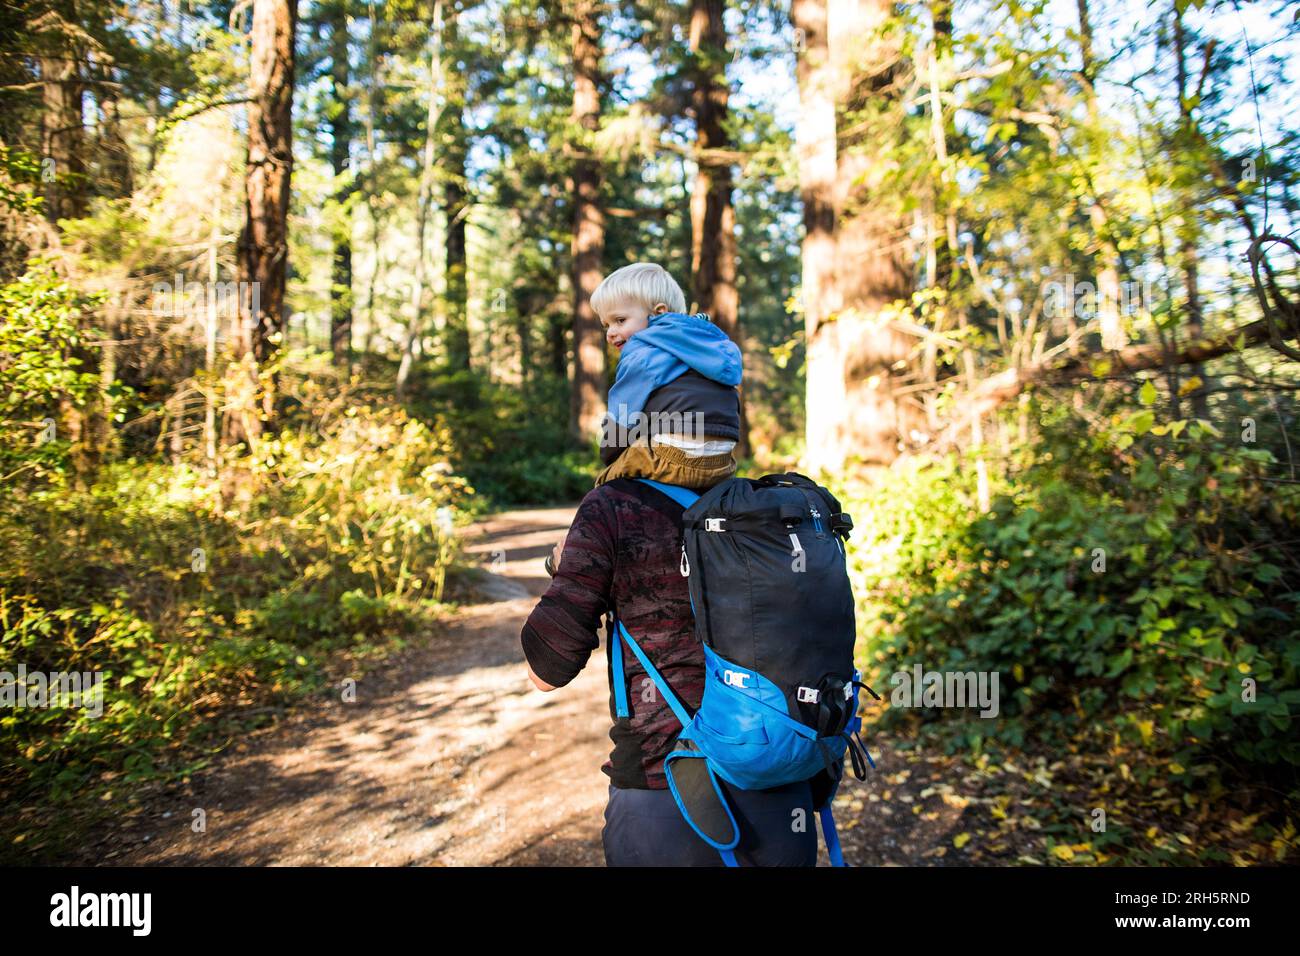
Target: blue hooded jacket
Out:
[672,343]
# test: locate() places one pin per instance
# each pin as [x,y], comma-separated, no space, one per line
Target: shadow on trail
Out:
[447,757]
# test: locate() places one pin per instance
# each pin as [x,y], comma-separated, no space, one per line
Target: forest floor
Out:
[449,757]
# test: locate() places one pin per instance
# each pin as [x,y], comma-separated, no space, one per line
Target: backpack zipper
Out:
[816,515]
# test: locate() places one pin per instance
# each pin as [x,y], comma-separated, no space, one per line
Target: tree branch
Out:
[1009,383]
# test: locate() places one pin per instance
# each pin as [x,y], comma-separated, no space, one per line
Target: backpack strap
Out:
[616,650]
[616,663]
[832,836]
[694,784]
[683,496]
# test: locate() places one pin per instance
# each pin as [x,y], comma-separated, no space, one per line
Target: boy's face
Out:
[625,318]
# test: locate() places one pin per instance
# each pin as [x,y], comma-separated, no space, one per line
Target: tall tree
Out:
[1189,223]
[855,262]
[713,217]
[420,285]
[61,53]
[454,142]
[116,156]
[264,241]
[341,300]
[815,139]
[1112,329]
[587,399]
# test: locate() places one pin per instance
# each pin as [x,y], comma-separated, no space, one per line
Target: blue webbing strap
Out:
[832,837]
[728,857]
[683,496]
[620,685]
[653,672]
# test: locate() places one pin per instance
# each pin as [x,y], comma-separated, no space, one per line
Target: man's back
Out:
[622,554]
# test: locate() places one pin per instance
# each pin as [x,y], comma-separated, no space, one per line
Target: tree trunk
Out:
[1109,319]
[587,398]
[523,331]
[374,105]
[211,323]
[119,180]
[854,264]
[557,336]
[713,218]
[419,283]
[63,163]
[264,241]
[341,161]
[942,257]
[453,140]
[1188,231]
[815,144]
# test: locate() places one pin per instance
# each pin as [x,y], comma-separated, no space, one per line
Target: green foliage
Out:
[42,365]
[195,601]
[18,168]
[1127,583]
[511,443]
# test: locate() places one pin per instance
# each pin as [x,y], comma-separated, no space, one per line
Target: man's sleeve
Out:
[560,633]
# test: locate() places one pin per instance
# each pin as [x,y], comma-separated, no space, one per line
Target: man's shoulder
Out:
[625,497]
[617,490]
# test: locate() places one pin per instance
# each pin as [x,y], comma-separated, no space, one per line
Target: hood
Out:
[691,339]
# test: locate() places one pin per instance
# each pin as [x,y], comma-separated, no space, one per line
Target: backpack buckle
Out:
[809,695]
[713,524]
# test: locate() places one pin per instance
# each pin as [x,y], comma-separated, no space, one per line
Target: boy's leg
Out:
[670,465]
[634,461]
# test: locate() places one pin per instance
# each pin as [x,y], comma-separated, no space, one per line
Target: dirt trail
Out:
[449,756]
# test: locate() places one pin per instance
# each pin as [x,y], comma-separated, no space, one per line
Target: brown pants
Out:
[670,465]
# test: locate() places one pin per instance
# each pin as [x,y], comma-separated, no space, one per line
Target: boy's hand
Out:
[555,554]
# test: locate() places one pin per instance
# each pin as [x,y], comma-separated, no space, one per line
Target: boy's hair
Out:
[642,282]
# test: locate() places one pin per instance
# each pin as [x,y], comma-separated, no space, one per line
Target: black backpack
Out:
[774,610]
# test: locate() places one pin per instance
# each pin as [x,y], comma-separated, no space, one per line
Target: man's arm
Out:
[540,684]
[561,631]
[537,681]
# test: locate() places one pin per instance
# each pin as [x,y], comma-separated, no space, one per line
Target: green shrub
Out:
[194,606]
[511,443]
[1127,583]
[42,365]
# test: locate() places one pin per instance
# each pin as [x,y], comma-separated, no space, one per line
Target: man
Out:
[623,556]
